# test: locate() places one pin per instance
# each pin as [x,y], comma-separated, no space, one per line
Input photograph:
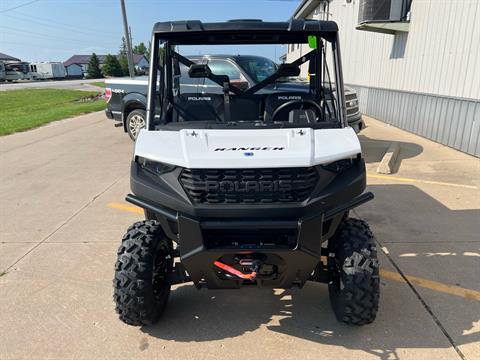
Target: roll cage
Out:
[164,71]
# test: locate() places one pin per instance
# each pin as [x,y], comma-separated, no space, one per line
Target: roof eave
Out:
[305,8]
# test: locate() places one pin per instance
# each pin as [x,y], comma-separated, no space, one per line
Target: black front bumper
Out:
[288,237]
[356,122]
[294,263]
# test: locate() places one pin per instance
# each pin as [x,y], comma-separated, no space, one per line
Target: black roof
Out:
[244,31]
[85,59]
[6,57]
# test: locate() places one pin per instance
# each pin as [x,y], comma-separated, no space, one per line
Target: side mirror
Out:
[240,84]
[286,70]
[199,71]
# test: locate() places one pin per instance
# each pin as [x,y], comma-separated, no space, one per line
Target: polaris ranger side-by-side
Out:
[250,187]
[127,98]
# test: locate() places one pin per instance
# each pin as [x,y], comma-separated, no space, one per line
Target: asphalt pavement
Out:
[62,211]
[82,84]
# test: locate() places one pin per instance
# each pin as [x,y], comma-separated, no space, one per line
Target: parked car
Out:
[126,98]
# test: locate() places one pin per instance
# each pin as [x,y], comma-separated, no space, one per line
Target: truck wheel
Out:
[353,267]
[140,287]
[136,120]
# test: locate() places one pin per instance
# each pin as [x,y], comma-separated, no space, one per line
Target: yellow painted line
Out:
[126,207]
[433,285]
[409,180]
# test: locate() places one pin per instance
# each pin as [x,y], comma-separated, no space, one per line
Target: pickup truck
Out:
[127,98]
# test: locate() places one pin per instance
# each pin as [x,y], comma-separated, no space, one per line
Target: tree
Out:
[123,60]
[140,49]
[123,47]
[147,52]
[112,66]
[93,68]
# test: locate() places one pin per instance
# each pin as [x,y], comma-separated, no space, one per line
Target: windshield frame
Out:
[161,66]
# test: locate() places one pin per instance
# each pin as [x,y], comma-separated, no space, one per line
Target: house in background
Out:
[77,65]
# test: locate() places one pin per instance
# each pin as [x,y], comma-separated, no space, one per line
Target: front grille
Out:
[350,96]
[248,186]
[352,110]
[350,99]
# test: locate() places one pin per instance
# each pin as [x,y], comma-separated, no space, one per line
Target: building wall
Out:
[142,63]
[454,122]
[427,80]
[74,70]
[439,55]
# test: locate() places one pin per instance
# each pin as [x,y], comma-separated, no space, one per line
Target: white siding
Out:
[440,55]
[426,81]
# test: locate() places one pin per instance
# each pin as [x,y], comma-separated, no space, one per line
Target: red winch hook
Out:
[234,271]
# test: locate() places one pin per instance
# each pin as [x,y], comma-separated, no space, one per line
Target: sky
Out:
[54,30]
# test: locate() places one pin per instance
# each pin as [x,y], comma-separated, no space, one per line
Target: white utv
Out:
[247,187]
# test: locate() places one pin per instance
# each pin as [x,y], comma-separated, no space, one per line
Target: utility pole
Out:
[131,70]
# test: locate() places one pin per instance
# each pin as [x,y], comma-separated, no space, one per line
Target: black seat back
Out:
[198,107]
[245,108]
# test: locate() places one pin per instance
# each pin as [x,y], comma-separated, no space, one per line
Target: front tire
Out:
[354,273]
[140,285]
[136,120]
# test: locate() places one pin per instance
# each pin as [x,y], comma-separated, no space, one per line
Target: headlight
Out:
[154,167]
[339,166]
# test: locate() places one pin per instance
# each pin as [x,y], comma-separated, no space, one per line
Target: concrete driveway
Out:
[62,216]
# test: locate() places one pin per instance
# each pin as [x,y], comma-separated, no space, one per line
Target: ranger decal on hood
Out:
[250,148]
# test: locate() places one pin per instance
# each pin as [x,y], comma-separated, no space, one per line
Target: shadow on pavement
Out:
[374,149]
[402,322]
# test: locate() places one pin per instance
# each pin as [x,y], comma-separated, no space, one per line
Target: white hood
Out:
[258,148]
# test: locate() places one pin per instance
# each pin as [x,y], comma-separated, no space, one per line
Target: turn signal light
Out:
[108,94]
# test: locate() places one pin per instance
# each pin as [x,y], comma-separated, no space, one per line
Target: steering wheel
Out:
[293,104]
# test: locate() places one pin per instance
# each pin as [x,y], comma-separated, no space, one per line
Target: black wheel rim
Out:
[335,273]
[159,278]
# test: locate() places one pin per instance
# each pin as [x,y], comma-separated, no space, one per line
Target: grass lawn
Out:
[25,109]
[98,83]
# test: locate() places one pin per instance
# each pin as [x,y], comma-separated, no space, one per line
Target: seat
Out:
[245,108]
[274,100]
[198,107]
